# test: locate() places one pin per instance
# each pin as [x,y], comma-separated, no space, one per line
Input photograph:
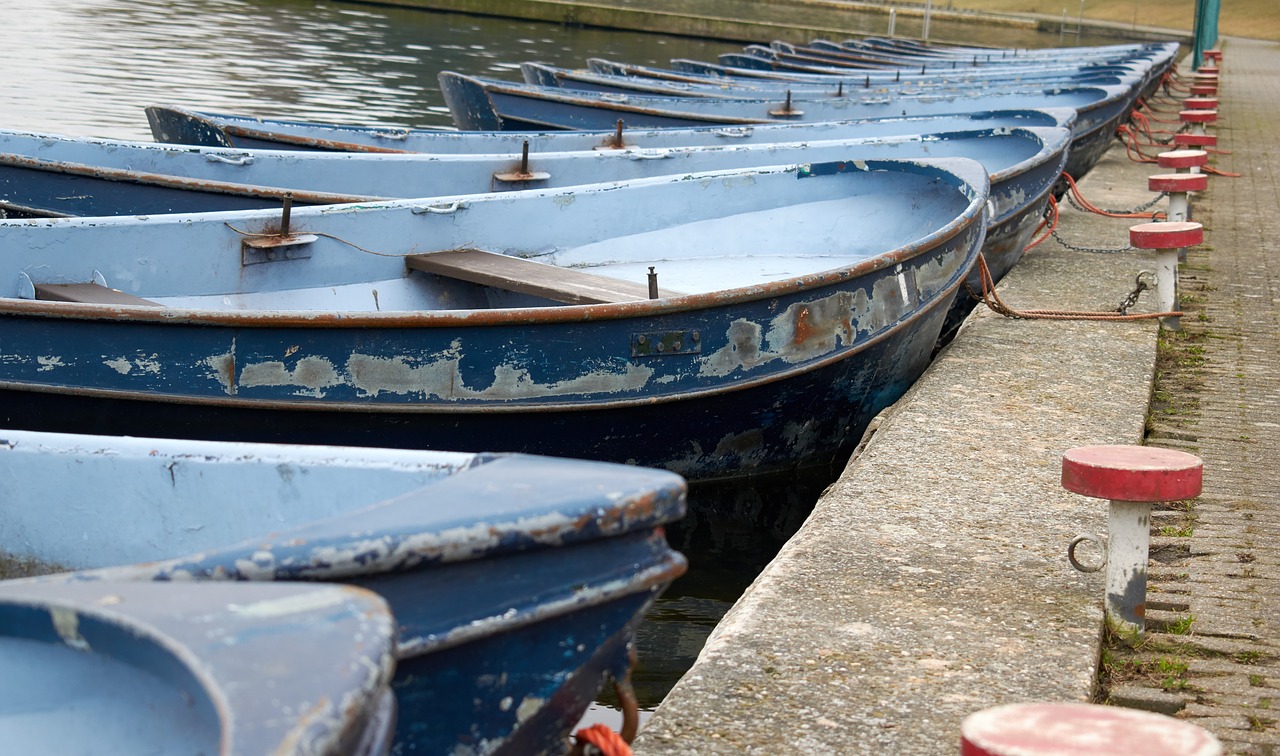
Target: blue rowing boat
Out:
[172,125]
[42,175]
[543,75]
[786,307]
[490,104]
[219,668]
[516,582]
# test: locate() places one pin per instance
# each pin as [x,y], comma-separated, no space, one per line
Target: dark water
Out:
[88,67]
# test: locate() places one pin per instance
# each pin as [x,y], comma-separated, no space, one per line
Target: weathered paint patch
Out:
[284,607]
[125,366]
[49,363]
[373,375]
[311,375]
[66,623]
[223,367]
[801,332]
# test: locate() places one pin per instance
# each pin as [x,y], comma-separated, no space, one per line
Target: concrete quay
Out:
[931,581]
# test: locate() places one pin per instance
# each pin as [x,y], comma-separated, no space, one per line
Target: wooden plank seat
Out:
[566,285]
[91,293]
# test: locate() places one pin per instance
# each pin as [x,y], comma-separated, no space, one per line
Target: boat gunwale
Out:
[954,170]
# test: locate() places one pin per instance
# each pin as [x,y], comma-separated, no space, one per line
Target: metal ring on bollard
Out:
[1096,541]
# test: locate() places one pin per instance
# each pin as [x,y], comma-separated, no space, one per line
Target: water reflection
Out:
[88,67]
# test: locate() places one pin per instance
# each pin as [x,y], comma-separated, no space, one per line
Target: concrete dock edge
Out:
[931,580]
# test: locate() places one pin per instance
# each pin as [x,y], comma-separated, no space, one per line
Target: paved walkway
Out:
[1217,571]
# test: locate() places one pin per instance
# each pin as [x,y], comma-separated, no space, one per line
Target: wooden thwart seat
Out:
[566,285]
[91,293]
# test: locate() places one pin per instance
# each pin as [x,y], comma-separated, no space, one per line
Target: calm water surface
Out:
[88,67]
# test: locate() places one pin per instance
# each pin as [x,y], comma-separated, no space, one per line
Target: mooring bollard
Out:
[1168,240]
[1183,161]
[1132,478]
[1201,102]
[1213,55]
[1197,119]
[1183,140]
[1208,70]
[1178,186]
[1204,89]
[1080,729]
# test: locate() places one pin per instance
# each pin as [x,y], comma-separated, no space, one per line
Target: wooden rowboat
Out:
[793,304]
[516,582]
[128,668]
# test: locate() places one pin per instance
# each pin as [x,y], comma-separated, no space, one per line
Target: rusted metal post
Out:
[1132,478]
[1061,729]
[1168,240]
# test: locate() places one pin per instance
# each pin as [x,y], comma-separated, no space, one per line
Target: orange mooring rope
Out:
[1051,222]
[1087,205]
[604,741]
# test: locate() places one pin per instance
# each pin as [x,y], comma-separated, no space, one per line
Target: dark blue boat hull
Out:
[810,418]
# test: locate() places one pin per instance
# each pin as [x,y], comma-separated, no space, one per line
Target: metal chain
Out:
[1140,208]
[1140,285]
[1077,248]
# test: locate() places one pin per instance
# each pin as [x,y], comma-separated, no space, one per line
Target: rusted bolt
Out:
[1061,728]
[1131,477]
[660,347]
[695,337]
[641,339]
[678,345]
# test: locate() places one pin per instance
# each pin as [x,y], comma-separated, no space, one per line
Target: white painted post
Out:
[1120,473]
[893,20]
[928,10]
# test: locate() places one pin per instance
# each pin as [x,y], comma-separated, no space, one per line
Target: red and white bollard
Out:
[1213,55]
[1197,119]
[1208,70]
[1205,89]
[1132,477]
[1183,140]
[1183,161]
[1080,729]
[1201,102]
[1169,240]
[1178,186]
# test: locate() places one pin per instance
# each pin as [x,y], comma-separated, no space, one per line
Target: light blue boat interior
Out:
[705,232]
[111,500]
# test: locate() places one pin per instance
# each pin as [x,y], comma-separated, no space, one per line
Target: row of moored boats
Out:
[385,401]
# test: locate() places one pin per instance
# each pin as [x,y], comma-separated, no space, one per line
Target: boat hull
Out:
[755,376]
[788,420]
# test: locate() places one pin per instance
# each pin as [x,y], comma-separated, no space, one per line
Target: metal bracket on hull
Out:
[666,344]
[267,249]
